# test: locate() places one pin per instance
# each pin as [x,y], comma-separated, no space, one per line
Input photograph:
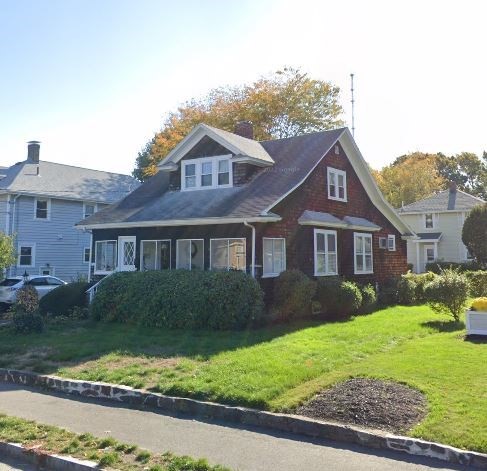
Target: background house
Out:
[40,202]
[438,222]
[224,201]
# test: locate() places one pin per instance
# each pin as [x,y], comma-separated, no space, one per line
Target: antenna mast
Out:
[353,106]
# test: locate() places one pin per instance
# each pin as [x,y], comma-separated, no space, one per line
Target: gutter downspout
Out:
[252,269]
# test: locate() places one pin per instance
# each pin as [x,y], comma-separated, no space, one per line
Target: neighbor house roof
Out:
[66,182]
[294,158]
[447,200]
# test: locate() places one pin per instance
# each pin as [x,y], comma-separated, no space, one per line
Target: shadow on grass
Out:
[476,339]
[444,326]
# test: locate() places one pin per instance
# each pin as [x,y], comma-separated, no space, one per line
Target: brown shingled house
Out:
[223,201]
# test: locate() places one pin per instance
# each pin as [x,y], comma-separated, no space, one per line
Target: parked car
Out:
[42,283]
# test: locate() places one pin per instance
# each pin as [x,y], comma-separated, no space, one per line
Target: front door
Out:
[126,253]
[429,255]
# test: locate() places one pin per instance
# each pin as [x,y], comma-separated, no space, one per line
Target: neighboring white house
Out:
[40,202]
[438,223]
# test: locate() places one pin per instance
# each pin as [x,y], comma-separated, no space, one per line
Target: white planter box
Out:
[476,322]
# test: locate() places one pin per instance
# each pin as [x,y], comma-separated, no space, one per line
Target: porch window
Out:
[42,207]
[26,255]
[227,254]
[155,255]
[206,172]
[326,260]
[337,184]
[363,253]
[274,256]
[105,256]
[190,254]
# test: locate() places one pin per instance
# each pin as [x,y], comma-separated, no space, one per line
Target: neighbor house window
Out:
[227,254]
[26,255]
[363,253]
[391,242]
[86,255]
[337,184]
[42,207]
[274,256]
[429,221]
[190,254]
[88,210]
[207,172]
[155,255]
[105,256]
[326,259]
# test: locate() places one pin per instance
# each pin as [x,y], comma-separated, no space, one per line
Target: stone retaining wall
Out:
[242,415]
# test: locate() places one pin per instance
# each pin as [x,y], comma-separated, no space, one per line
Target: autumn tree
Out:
[410,178]
[7,252]
[283,104]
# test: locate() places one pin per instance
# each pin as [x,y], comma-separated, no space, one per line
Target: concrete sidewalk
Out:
[238,448]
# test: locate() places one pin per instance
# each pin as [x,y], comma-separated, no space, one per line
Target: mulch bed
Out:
[372,403]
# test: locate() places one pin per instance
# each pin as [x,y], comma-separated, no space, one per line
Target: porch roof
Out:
[428,236]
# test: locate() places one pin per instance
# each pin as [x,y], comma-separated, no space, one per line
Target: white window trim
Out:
[106,272]
[391,237]
[155,240]
[273,275]
[84,254]
[214,180]
[325,232]
[434,220]
[364,271]
[177,253]
[336,172]
[85,203]
[33,254]
[229,239]
[48,209]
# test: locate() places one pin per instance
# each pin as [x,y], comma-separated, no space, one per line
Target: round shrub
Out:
[369,298]
[293,295]
[338,298]
[389,292]
[180,299]
[478,283]
[406,291]
[27,322]
[448,293]
[27,299]
[62,300]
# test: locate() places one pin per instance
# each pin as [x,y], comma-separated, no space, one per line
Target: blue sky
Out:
[93,80]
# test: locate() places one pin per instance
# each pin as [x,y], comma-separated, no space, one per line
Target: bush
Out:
[338,298]
[438,266]
[448,293]
[180,299]
[478,283]
[389,292]
[369,298]
[62,300]
[27,299]
[27,322]
[411,286]
[293,295]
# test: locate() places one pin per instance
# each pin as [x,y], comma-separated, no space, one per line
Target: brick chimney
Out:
[453,187]
[244,129]
[33,151]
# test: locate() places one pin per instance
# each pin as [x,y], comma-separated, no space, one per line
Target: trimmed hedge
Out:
[62,300]
[411,287]
[369,298]
[338,298]
[438,266]
[180,299]
[293,295]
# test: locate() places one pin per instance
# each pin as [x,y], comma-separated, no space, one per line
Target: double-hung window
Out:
[155,255]
[429,221]
[190,254]
[391,242]
[326,259]
[206,172]
[227,254]
[26,255]
[363,253]
[337,184]
[86,255]
[274,256]
[105,256]
[42,208]
[88,209]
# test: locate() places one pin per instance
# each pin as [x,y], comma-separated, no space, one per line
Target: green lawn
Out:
[279,368]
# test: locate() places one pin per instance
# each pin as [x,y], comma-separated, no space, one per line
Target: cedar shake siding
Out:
[274,183]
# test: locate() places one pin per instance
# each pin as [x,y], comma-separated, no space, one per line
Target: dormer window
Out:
[337,184]
[206,172]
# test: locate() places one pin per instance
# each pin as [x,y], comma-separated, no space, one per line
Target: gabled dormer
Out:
[210,158]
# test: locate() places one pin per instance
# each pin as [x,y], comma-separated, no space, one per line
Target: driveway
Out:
[244,449]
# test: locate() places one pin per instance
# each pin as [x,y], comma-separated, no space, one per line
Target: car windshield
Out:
[9,282]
